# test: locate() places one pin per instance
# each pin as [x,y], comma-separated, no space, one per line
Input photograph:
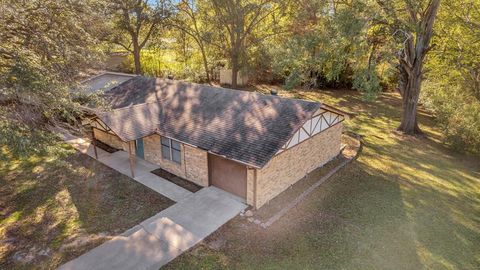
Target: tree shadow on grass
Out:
[349,222]
[439,187]
[440,193]
[54,208]
[28,189]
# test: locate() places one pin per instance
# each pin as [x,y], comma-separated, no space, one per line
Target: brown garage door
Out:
[228,175]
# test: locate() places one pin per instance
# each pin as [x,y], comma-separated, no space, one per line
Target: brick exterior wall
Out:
[251,186]
[194,166]
[110,139]
[286,168]
[196,162]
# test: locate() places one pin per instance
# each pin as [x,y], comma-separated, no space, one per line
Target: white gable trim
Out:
[320,121]
[100,125]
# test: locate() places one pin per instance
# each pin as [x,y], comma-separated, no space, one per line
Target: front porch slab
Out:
[119,161]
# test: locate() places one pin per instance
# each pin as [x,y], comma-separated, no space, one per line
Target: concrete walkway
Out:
[120,162]
[159,239]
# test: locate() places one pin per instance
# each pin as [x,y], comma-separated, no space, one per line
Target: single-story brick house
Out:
[249,144]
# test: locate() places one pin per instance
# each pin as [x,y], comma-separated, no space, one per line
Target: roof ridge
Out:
[255,93]
[245,126]
[132,106]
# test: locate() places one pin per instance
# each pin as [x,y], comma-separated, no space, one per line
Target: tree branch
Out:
[124,46]
[150,31]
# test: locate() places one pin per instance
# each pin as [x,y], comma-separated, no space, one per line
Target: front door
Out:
[139,148]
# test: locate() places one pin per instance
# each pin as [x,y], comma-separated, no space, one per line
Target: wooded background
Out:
[427,50]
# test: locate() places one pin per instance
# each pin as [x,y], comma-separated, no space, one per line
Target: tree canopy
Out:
[41,55]
[426,50]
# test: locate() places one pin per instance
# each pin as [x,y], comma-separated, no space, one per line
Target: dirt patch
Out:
[105,147]
[405,137]
[352,145]
[179,181]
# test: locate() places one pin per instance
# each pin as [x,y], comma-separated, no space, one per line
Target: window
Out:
[166,148]
[176,156]
[171,150]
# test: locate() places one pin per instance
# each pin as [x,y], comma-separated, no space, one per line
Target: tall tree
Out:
[452,88]
[239,19]
[189,20]
[38,48]
[134,23]
[44,45]
[327,46]
[412,23]
[459,34]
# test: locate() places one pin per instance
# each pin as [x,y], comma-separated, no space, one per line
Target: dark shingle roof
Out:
[243,126]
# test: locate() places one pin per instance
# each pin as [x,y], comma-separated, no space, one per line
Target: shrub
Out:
[367,82]
[457,111]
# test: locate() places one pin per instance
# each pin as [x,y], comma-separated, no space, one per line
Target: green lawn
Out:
[56,206]
[406,203]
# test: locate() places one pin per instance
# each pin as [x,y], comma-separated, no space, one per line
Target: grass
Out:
[284,199]
[57,205]
[405,203]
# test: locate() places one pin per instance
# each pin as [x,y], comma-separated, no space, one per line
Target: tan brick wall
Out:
[194,166]
[109,139]
[293,164]
[153,153]
[251,186]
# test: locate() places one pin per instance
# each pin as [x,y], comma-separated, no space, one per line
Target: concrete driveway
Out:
[161,238]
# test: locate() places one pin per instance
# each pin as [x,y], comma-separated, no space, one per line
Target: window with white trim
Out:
[171,150]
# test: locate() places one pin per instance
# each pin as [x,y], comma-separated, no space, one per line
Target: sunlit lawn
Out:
[56,206]
[406,203]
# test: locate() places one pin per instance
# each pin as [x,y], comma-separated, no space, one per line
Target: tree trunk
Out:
[234,69]
[205,63]
[370,58]
[136,58]
[416,46]
[411,93]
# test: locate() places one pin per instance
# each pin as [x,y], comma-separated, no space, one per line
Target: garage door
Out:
[228,175]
